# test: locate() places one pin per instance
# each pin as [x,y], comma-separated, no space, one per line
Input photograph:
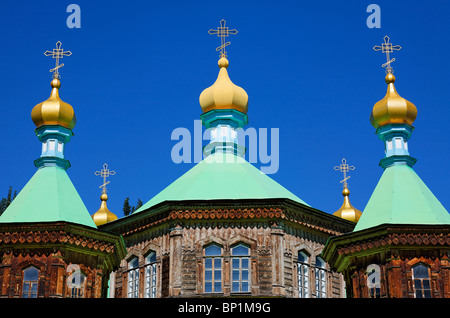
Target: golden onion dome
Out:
[392,109]
[223,94]
[54,111]
[103,215]
[347,211]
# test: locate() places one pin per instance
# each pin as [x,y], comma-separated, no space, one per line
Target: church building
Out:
[224,228]
[400,246]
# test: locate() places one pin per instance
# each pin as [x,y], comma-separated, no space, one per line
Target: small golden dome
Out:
[347,211]
[223,94]
[392,109]
[54,111]
[103,215]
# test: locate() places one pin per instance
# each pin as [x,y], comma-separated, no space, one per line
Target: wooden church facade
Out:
[227,248]
[56,260]
[393,261]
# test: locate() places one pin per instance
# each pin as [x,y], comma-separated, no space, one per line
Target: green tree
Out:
[126,206]
[5,202]
[128,209]
[138,204]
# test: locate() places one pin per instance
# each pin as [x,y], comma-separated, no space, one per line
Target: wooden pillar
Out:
[175,264]
[445,276]
[277,236]
[5,273]
[395,279]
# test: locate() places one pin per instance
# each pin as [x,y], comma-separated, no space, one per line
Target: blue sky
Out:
[138,68]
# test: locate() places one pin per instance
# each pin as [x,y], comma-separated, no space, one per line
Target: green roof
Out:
[401,197]
[49,196]
[222,176]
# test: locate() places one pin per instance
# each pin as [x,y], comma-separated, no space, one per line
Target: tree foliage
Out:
[128,209]
[6,201]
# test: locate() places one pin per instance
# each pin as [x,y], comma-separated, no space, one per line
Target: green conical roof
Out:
[49,196]
[222,176]
[401,197]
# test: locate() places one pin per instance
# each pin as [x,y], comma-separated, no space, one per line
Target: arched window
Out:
[373,280]
[30,282]
[303,275]
[320,278]
[212,269]
[421,279]
[240,269]
[133,278]
[150,275]
[76,284]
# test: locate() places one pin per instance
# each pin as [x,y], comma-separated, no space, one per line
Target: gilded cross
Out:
[344,168]
[104,173]
[223,32]
[387,48]
[57,54]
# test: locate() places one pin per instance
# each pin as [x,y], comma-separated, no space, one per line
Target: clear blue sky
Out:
[138,68]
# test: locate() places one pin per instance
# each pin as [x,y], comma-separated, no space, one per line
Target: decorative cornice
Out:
[42,237]
[384,237]
[231,211]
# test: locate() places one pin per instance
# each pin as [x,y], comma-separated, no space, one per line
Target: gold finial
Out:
[104,173]
[347,211]
[57,54]
[222,32]
[387,48]
[344,168]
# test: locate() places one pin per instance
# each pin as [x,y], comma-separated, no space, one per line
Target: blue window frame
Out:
[133,278]
[150,275]
[240,269]
[30,282]
[213,269]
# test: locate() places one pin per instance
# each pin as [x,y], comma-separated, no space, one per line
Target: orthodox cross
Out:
[222,32]
[57,54]
[344,168]
[387,48]
[104,173]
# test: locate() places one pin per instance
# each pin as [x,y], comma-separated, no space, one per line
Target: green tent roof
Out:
[401,197]
[49,196]
[222,176]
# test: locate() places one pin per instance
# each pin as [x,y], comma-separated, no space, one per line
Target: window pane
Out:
[417,284]
[208,275]
[235,275]
[426,284]
[133,263]
[245,287]
[217,275]
[208,262]
[245,275]
[235,262]
[427,293]
[302,257]
[208,287]
[151,258]
[319,262]
[244,263]
[418,294]
[218,287]
[213,250]
[239,250]
[31,274]
[217,263]
[420,271]
[235,287]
